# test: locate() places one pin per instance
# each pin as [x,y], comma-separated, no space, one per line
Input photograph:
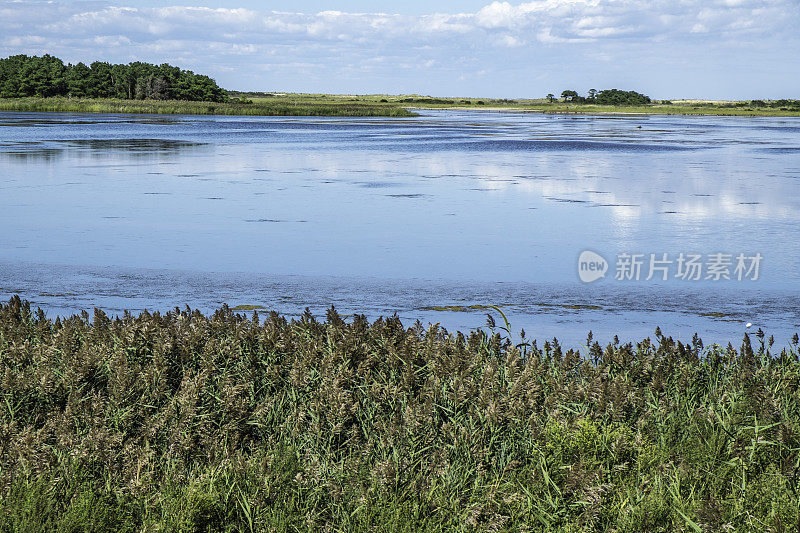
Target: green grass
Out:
[539,105]
[661,109]
[304,104]
[285,107]
[228,422]
[592,109]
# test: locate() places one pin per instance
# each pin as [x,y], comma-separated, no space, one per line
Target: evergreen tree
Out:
[45,76]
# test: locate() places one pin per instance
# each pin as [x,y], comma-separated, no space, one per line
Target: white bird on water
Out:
[749,324]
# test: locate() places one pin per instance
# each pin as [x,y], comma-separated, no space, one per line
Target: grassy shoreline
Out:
[170,107]
[301,104]
[655,109]
[412,102]
[230,422]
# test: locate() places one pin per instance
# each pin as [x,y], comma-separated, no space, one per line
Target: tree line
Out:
[604,97]
[783,104]
[47,76]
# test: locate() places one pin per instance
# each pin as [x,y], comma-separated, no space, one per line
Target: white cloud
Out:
[566,19]
[460,44]
[497,14]
[509,41]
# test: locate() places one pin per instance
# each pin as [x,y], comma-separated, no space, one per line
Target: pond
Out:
[433,218]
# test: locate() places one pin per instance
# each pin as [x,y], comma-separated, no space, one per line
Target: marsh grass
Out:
[229,422]
[662,109]
[677,107]
[262,107]
[651,109]
[377,105]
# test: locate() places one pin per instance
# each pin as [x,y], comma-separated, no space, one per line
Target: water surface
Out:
[423,217]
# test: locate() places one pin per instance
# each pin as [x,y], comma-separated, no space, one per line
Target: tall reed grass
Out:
[228,422]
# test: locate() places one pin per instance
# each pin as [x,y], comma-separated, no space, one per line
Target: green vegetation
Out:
[186,422]
[606,97]
[782,104]
[46,84]
[583,307]
[549,104]
[234,107]
[617,97]
[457,308]
[48,76]
[570,96]
[717,315]
[660,108]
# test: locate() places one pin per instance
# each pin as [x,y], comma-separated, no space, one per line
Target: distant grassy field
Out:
[375,105]
[660,109]
[677,107]
[229,422]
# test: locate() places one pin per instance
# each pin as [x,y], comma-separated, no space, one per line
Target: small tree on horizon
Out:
[592,94]
[551,97]
[569,95]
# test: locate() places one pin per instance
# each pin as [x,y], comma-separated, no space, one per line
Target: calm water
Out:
[407,216]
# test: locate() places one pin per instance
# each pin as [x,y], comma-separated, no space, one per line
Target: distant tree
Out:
[124,81]
[100,81]
[551,97]
[10,73]
[23,75]
[78,80]
[618,97]
[152,87]
[592,94]
[569,96]
[38,76]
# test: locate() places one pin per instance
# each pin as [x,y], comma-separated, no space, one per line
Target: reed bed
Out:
[182,107]
[229,422]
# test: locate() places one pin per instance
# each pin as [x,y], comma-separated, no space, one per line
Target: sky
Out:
[668,49]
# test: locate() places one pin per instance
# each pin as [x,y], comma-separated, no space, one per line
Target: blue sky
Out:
[722,49]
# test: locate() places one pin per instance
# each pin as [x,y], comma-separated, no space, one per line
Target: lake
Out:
[432,218]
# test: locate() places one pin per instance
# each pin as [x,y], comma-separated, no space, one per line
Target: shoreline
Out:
[180,107]
[366,106]
[621,111]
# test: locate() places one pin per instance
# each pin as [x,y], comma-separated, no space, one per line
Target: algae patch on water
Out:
[574,307]
[717,315]
[457,308]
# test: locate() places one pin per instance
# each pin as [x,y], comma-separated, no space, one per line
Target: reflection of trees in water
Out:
[138,147]
[133,145]
[25,154]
